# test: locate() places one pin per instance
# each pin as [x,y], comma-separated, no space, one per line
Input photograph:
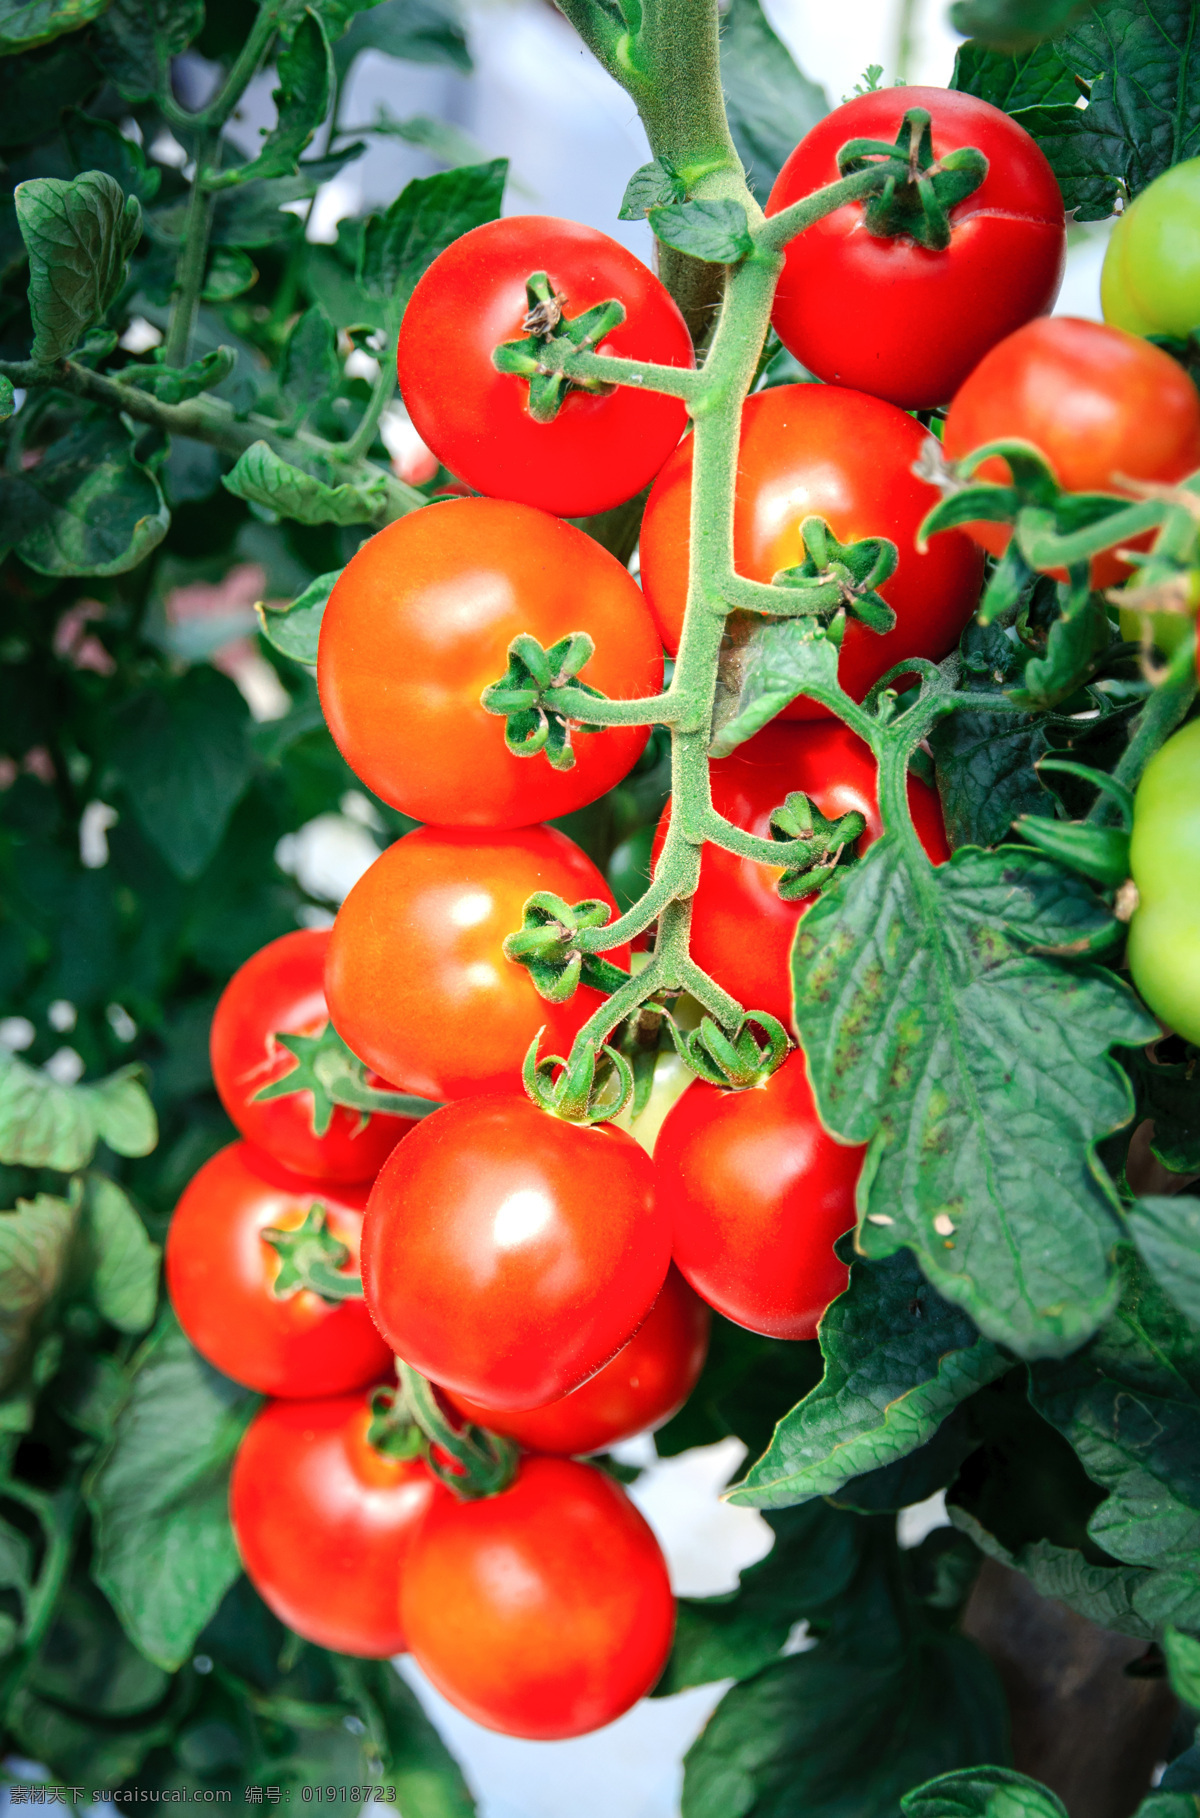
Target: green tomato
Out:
[1168,629]
[1164,857]
[1150,284]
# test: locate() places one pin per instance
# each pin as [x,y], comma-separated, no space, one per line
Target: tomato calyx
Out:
[1098,853]
[392,1431]
[471,1461]
[585,1087]
[735,1061]
[823,846]
[551,337]
[311,1257]
[533,724]
[333,1073]
[834,575]
[545,945]
[919,190]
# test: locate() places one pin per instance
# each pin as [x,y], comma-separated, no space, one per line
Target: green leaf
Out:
[121,1261]
[294,630]
[79,236]
[770,103]
[1077,636]
[1140,60]
[1166,1230]
[251,214]
[448,144]
[428,214]
[427,1779]
[651,186]
[1014,25]
[1169,1094]
[1034,77]
[164,1550]
[1038,90]
[775,664]
[136,40]
[175,384]
[310,369]
[419,31]
[986,773]
[35,1241]
[305,69]
[989,1792]
[898,1360]
[262,478]
[183,757]
[935,1030]
[8,398]
[714,231]
[1106,1595]
[229,274]
[98,145]
[47,1125]
[27,23]
[89,506]
[1183,1666]
[1176,1795]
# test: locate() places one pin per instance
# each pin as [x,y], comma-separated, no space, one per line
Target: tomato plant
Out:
[847,458]
[421,620]
[588,1630]
[1164,857]
[883,312]
[599,446]
[324,1521]
[1150,283]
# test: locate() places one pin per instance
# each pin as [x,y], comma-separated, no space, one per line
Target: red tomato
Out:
[848,459]
[1102,405]
[221,1271]
[416,970]
[508,1254]
[742,929]
[545,1611]
[647,1381]
[897,319]
[758,1191]
[323,1522]
[600,449]
[420,623]
[281,989]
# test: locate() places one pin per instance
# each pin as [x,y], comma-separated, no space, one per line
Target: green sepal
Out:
[545,943]
[1099,853]
[310,1256]
[589,1087]
[733,1061]
[531,725]
[391,1430]
[835,575]
[825,845]
[1099,779]
[333,1073]
[919,191]
[550,337]
[470,1461]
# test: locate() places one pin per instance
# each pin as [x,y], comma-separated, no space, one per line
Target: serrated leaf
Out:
[98,145]
[986,775]
[775,664]
[651,186]
[24,24]
[305,70]
[47,1125]
[770,103]
[1106,1595]
[309,370]
[428,214]
[986,1792]
[1013,25]
[89,506]
[714,231]
[1166,1230]
[35,1241]
[1144,107]
[295,630]
[1038,90]
[898,1360]
[1028,78]
[419,31]
[935,1033]
[262,478]
[136,40]
[79,235]
[164,1550]
[119,1258]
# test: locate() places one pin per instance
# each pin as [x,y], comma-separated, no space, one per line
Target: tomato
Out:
[545,1611]
[742,929]
[281,989]
[416,970]
[1164,857]
[1150,283]
[420,623]
[647,1381]
[1101,405]
[814,449]
[757,1192]
[323,1522]
[508,1254]
[900,320]
[221,1274]
[600,449]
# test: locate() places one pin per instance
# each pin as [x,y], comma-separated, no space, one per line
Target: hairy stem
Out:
[193,258]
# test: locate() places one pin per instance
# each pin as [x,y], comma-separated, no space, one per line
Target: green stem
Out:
[382,392]
[244,69]
[193,258]
[1154,725]
[574,704]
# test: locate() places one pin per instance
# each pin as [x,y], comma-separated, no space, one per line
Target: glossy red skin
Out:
[220,1273]
[648,1380]
[543,1612]
[324,1522]
[897,319]
[742,929]
[416,976]
[599,450]
[848,459]
[420,623]
[758,1192]
[1102,405]
[508,1254]
[281,990]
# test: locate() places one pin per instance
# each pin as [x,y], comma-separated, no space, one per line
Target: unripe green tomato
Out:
[1150,284]
[1168,629]
[1164,857]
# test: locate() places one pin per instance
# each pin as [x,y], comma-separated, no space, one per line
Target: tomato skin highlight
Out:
[416,969]
[758,1191]
[1164,858]
[507,1254]
[647,1381]
[220,1271]
[742,929]
[1098,402]
[419,624]
[543,1612]
[899,320]
[846,458]
[323,1522]
[599,450]
[281,989]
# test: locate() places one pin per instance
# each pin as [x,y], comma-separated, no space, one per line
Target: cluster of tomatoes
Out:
[553,1278]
